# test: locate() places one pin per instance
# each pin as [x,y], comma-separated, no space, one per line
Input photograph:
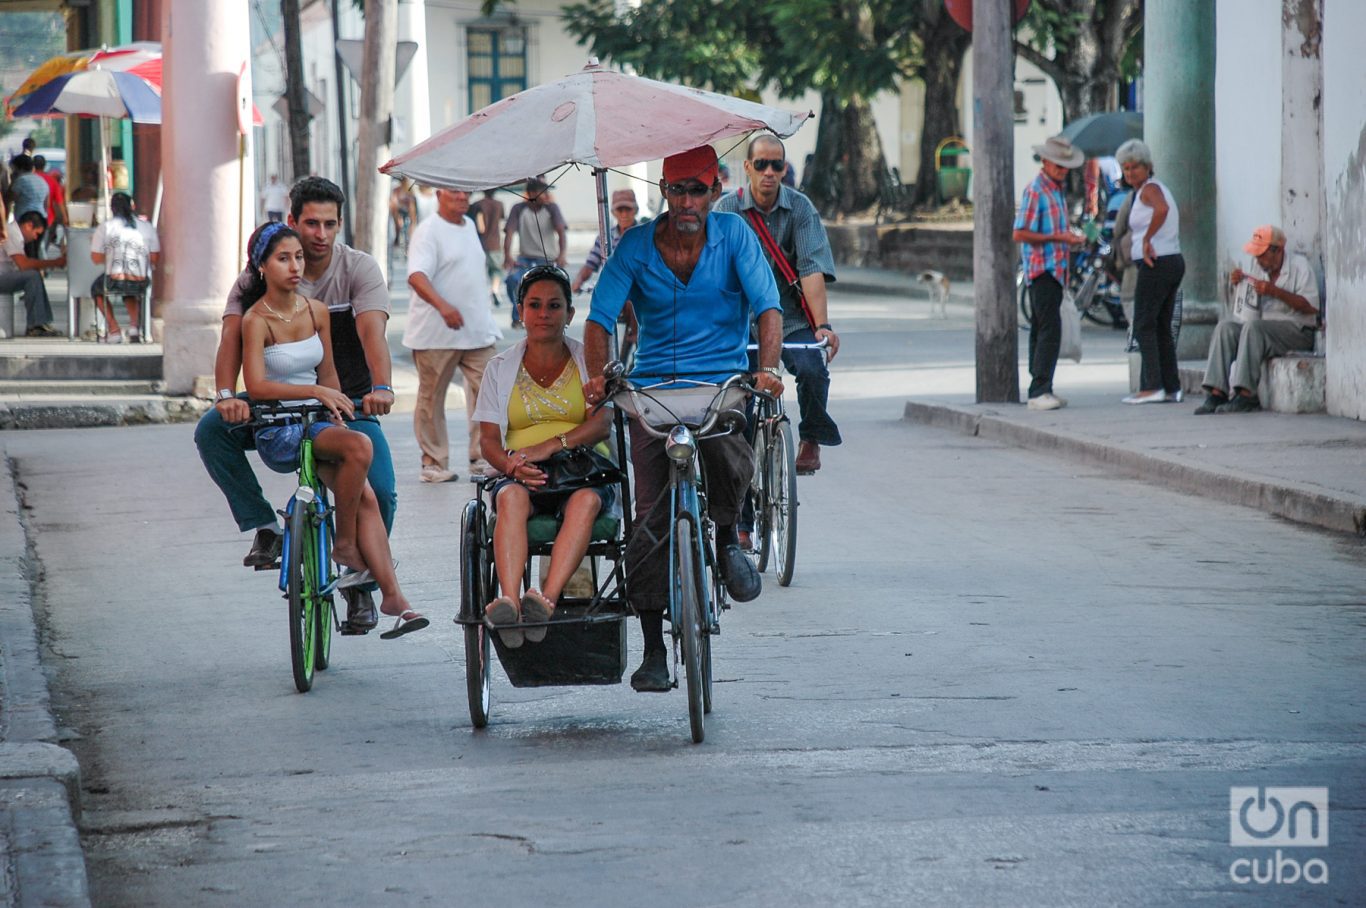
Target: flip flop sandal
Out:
[501,616]
[406,623]
[536,609]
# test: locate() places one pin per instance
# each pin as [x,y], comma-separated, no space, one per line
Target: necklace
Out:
[549,374]
[298,304]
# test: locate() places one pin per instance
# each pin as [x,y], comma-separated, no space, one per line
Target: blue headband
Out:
[263,241]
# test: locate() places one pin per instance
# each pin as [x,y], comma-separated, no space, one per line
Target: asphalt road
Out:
[997,679]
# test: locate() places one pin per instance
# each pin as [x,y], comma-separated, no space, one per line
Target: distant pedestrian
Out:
[624,210]
[56,196]
[275,199]
[450,326]
[1155,247]
[541,233]
[488,216]
[424,202]
[402,212]
[29,193]
[795,243]
[1041,229]
[1275,312]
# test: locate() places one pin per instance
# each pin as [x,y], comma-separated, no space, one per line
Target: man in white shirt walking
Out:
[450,325]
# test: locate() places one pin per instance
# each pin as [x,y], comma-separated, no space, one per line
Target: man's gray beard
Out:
[687,226]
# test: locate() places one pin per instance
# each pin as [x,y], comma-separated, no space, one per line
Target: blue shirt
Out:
[699,329]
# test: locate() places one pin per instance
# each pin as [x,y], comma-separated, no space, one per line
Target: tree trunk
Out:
[296,92]
[376,113]
[944,43]
[848,165]
[1085,66]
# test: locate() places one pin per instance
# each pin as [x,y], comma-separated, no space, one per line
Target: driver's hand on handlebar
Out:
[233,410]
[595,389]
[832,342]
[334,400]
[768,383]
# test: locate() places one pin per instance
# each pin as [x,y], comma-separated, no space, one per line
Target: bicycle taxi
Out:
[585,640]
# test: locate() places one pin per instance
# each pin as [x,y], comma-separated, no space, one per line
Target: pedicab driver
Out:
[696,279]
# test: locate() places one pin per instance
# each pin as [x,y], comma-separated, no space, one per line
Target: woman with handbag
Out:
[536,429]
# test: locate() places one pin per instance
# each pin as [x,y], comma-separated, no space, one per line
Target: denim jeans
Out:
[813,390]
[223,446]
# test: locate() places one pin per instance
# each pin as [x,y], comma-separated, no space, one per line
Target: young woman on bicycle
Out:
[530,406]
[287,357]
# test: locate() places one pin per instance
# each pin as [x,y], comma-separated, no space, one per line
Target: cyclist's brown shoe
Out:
[265,549]
[808,458]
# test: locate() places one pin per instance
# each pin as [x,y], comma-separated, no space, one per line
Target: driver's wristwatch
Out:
[224,394]
[772,370]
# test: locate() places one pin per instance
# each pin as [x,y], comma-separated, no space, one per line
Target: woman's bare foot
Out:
[347,554]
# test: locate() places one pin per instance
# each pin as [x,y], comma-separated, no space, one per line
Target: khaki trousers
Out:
[435,369]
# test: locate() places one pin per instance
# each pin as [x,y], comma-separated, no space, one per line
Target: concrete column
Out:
[1302,201]
[206,212]
[411,101]
[1178,124]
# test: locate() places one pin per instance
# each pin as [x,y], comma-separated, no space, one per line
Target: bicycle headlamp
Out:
[680,445]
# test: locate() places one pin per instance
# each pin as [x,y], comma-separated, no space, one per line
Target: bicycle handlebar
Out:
[624,393]
[821,344]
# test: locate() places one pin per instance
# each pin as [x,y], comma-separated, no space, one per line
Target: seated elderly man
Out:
[1275,311]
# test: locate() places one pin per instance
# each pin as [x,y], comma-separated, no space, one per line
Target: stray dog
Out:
[937,285]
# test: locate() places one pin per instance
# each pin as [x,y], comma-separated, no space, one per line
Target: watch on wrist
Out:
[564,442]
[824,327]
[772,370]
[224,394]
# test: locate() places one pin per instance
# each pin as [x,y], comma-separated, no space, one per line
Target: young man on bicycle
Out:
[353,287]
[694,314]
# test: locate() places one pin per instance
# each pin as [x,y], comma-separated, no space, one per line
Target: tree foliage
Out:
[1085,46]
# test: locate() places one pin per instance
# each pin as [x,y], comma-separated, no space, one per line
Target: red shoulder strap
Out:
[775,253]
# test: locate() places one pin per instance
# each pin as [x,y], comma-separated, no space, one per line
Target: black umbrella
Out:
[1100,134]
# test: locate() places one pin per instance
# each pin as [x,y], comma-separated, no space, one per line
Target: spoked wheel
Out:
[473,581]
[758,497]
[1092,304]
[301,546]
[690,628]
[782,472]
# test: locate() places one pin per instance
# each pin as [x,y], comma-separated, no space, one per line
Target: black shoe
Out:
[653,674]
[739,574]
[1211,405]
[1240,404]
[42,331]
[361,616]
[265,549]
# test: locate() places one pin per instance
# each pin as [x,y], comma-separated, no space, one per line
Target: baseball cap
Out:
[624,198]
[694,164]
[1263,238]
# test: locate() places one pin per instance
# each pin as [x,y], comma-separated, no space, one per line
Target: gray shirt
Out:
[796,227]
[30,194]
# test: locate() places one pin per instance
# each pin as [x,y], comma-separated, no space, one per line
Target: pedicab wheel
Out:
[300,547]
[1092,303]
[782,491]
[690,624]
[758,496]
[478,651]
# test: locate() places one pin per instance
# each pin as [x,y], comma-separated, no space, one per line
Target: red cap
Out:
[1263,238]
[696,164]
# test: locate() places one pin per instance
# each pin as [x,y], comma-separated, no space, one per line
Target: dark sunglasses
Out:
[762,164]
[696,190]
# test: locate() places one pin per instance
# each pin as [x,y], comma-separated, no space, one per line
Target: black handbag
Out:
[576,468]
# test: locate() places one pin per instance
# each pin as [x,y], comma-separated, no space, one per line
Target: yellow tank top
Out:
[536,414]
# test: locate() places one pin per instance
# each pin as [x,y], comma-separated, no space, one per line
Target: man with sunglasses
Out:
[1275,311]
[794,228]
[696,279]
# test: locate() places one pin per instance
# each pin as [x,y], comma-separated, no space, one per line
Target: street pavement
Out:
[1000,676]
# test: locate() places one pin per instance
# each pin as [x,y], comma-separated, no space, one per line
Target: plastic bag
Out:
[1070,316]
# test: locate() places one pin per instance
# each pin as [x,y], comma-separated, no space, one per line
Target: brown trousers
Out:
[435,369]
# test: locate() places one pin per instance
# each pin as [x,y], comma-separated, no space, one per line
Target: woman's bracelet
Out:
[382,388]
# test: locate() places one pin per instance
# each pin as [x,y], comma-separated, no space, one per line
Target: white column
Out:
[411,100]
[1302,202]
[207,212]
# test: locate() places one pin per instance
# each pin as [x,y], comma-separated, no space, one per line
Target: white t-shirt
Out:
[126,250]
[14,245]
[275,198]
[452,258]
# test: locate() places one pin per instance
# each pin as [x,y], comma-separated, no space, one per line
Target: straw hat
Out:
[1059,150]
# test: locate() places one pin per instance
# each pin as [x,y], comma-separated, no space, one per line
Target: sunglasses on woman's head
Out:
[762,164]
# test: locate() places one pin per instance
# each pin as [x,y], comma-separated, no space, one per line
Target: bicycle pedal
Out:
[349,630]
[267,567]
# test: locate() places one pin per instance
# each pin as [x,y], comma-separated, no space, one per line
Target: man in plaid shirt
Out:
[1041,228]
